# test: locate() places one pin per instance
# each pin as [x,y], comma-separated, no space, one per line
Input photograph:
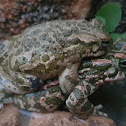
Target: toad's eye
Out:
[105,43]
[122,63]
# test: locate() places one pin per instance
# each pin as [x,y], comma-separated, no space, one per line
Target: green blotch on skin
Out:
[71,80]
[69,53]
[81,48]
[17,103]
[36,70]
[93,80]
[54,89]
[45,58]
[5,95]
[59,56]
[88,89]
[26,106]
[20,61]
[37,105]
[5,68]
[53,100]
[35,56]
[18,52]
[103,66]
[79,96]
[33,59]
[40,107]
[16,67]
[8,95]
[19,80]
[23,101]
[86,107]
[24,88]
[53,65]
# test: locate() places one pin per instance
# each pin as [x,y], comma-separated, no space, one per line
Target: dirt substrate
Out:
[11,117]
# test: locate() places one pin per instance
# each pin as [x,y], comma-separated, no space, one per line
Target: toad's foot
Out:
[78,102]
[97,111]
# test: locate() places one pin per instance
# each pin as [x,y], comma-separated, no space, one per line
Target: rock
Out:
[16,15]
[55,119]
[9,116]
[100,121]
[79,9]
[67,119]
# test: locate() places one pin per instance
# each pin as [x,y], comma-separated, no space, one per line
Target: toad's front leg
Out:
[78,102]
[69,78]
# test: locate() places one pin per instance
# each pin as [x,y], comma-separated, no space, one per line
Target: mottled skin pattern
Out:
[51,49]
[92,73]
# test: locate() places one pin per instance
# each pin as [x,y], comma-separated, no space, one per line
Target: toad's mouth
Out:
[98,53]
[94,54]
[101,49]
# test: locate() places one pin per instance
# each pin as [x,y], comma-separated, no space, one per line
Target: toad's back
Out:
[44,48]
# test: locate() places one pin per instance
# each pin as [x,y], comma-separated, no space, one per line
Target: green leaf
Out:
[116,36]
[101,19]
[111,12]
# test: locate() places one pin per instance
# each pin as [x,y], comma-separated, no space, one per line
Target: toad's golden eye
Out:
[122,63]
[105,43]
